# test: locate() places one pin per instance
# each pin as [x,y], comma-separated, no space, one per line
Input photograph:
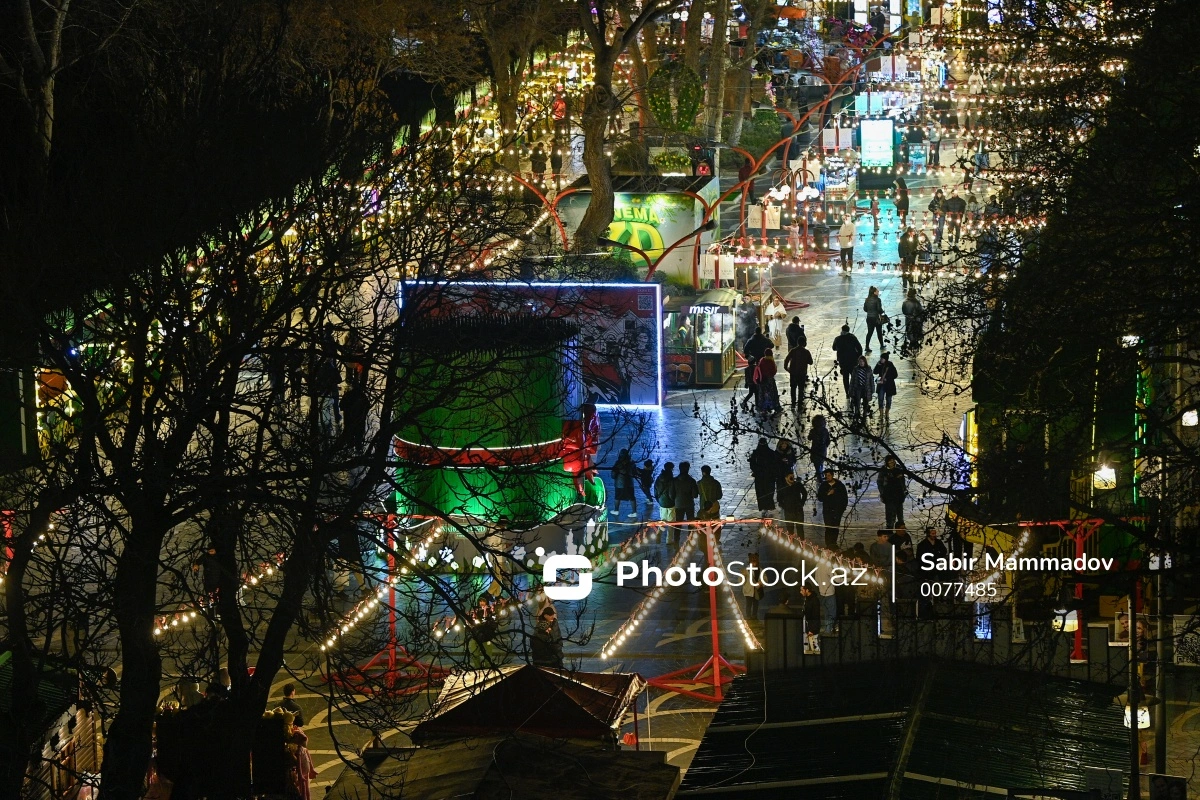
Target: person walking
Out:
[924,256]
[623,476]
[875,212]
[818,445]
[906,250]
[776,320]
[764,466]
[834,499]
[935,146]
[796,365]
[786,454]
[956,209]
[710,494]
[893,489]
[796,337]
[764,378]
[930,546]
[556,162]
[848,349]
[902,204]
[664,492]
[862,385]
[686,492]
[914,321]
[846,242]
[937,207]
[885,383]
[873,307]
[537,163]
[792,497]
[645,478]
[754,349]
[546,648]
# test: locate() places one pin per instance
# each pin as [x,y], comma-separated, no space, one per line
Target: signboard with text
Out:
[877,139]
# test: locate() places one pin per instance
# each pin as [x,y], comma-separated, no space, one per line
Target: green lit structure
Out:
[491,399]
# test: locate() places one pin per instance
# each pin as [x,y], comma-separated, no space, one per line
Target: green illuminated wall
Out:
[492,395]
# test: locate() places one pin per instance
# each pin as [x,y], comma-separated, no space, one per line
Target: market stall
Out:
[700,334]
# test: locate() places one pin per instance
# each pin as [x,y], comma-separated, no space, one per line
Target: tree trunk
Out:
[504,90]
[127,750]
[716,70]
[746,68]
[598,107]
[691,35]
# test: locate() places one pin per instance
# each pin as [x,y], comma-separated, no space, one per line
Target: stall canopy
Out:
[533,700]
[717,298]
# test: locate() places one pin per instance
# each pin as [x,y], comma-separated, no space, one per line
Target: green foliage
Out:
[675,93]
[759,133]
[673,162]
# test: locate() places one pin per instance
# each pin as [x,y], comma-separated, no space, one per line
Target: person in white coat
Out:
[776,320]
[845,236]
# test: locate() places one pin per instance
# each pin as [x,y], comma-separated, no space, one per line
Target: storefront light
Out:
[1065,621]
[1143,717]
[1104,478]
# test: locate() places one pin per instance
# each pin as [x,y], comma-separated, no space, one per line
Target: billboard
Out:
[878,143]
[620,327]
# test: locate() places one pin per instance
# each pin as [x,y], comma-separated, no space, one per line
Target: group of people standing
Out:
[762,368]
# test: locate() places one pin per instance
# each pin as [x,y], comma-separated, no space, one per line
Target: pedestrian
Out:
[881,549]
[875,212]
[914,321]
[956,209]
[834,499]
[818,446]
[764,466]
[792,497]
[645,477]
[862,386]
[846,242]
[754,348]
[935,146]
[906,250]
[848,349]
[623,478]
[811,612]
[885,383]
[924,255]
[827,591]
[752,589]
[710,494]
[746,178]
[664,492]
[793,230]
[796,365]
[892,491]
[902,540]
[873,306]
[776,319]
[973,208]
[796,337]
[546,648]
[686,492]
[937,207]
[902,204]
[786,455]
[929,546]
[764,378]
[300,767]
[289,704]
[537,163]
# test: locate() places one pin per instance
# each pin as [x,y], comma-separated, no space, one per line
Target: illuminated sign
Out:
[876,137]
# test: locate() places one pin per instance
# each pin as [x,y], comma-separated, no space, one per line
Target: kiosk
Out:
[700,334]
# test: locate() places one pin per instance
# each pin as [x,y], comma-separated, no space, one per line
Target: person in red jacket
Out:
[764,379]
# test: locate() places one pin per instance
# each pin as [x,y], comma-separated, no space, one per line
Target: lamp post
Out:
[653,263]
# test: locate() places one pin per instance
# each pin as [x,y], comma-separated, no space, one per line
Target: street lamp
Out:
[653,263]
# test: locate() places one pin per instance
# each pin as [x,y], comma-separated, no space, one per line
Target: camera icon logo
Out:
[563,563]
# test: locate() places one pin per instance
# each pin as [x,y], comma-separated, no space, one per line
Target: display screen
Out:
[876,137]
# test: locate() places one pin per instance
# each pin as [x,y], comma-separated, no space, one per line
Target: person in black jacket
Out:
[795,335]
[754,349]
[929,546]
[623,480]
[906,249]
[664,492]
[956,209]
[885,383]
[861,388]
[834,499]
[848,349]
[764,466]
[545,647]
[892,491]
[792,497]
[873,306]
[914,321]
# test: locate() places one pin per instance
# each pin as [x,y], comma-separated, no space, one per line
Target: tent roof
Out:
[529,699]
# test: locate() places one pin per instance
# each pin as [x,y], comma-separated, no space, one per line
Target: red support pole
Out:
[712,612]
